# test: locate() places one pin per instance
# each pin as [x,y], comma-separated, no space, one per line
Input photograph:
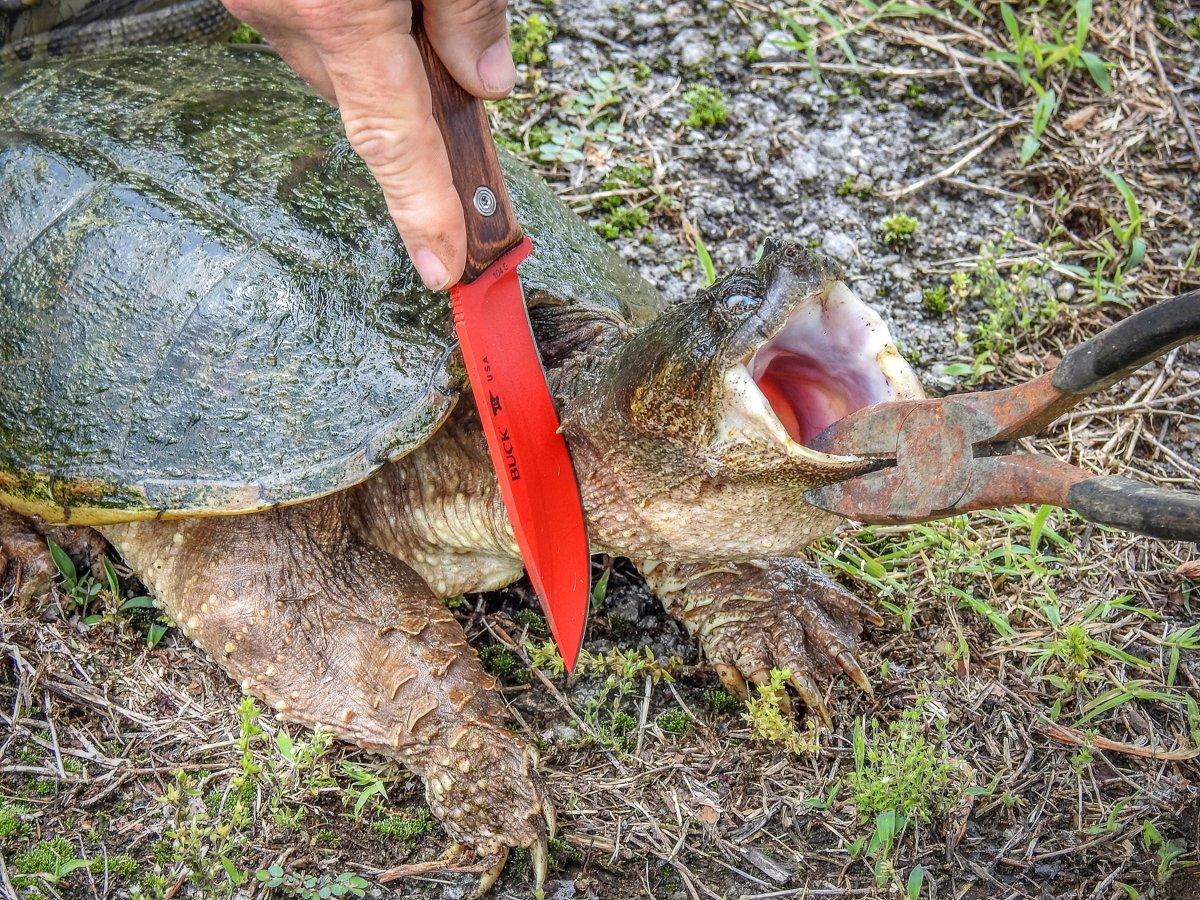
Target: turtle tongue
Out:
[830,359]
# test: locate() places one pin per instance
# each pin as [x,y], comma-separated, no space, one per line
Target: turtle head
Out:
[730,387]
[767,357]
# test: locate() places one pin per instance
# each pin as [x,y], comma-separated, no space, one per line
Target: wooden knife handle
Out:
[492,227]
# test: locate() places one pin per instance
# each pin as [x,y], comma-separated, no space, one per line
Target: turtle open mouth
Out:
[832,355]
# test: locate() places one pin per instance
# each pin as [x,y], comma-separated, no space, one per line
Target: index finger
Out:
[382,91]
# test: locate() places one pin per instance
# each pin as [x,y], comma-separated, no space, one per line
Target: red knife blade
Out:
[528,452]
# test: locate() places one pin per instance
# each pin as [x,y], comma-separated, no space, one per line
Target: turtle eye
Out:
[741,304]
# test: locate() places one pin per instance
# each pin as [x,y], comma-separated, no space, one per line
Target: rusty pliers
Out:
[944,456]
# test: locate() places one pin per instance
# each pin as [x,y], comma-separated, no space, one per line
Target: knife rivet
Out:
[485,201]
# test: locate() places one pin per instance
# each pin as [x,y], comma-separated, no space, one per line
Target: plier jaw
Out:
[940,457]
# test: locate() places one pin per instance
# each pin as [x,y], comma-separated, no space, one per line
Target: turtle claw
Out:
[489,878]
[850,666]
[539,855]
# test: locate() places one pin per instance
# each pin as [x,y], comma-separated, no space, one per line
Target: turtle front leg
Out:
[777,613]
[328,630]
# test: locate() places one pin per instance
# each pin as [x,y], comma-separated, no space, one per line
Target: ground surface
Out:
[1031,669]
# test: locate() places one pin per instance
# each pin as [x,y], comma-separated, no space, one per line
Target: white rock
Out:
[804,164]
[774,45]
[840,246]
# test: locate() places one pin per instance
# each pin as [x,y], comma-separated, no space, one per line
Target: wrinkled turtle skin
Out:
[212,253]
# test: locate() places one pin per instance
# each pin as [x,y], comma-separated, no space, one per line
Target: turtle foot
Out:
[776,613]
[489,797]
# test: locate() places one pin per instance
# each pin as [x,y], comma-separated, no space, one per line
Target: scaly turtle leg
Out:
[329,630]
[774,613]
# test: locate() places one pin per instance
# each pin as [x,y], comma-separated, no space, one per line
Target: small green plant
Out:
[303,767]
[935,299]
[623,214]
[312,887]
[898,229]
[1039,48]
[121,866]
[706,106]
[1017,305]
[504,664]
[12,821]
[365,787]
[1168,852]
[530,39]
[55,859]
[721,702]
[203,839]
[623,220]
[849,186]
[768,721]
[587,117]
[532,621]
[244,34]
[896,768]
[706,262]
[543,655]
[80,588]
[406,827]
[675,721]
[1129,232]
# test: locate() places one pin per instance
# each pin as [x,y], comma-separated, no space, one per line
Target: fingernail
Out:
[496,69]
[431,270]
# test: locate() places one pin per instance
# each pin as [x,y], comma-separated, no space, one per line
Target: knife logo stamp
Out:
[495,403]
[510,457]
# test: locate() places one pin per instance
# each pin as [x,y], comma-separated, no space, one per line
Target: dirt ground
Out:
[1035,725]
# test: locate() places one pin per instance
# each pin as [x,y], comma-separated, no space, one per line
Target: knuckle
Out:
[479,13]
[385,143]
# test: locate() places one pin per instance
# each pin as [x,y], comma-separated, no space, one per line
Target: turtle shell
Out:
[204,306]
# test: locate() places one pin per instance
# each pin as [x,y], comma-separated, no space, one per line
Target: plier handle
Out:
[944,456]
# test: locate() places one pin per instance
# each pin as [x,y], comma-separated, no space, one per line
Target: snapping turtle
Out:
[217,354]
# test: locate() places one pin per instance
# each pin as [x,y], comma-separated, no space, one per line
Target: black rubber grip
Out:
[1130,505]
[1115,352]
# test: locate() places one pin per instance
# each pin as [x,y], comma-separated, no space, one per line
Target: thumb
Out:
[471,37]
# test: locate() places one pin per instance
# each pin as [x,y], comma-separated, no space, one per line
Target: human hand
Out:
[360,56]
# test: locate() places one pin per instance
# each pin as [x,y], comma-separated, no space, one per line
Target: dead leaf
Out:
[1190,569]
[708,815]
[1075,121]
